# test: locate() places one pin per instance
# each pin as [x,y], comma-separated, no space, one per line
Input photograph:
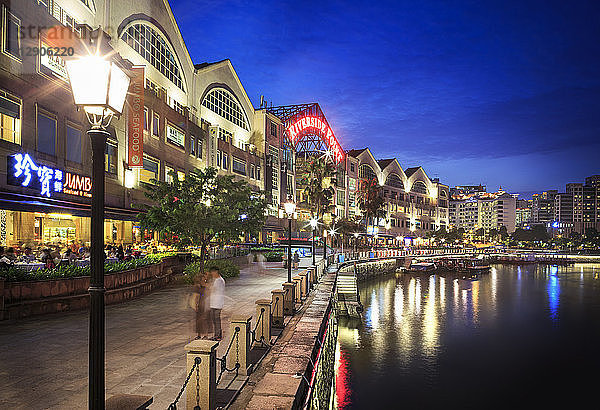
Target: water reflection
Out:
[410,341]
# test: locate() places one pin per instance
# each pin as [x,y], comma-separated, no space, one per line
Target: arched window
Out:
[443,194]
[222,102]
[419,187]
[394,181]
[151,45]
[366,172]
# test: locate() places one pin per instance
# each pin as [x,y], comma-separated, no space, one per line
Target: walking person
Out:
[216,300]
[296,260]
[199,302]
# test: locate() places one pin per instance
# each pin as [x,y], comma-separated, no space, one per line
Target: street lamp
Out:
[290,208]
[355,242]
[99,87]
[314,222]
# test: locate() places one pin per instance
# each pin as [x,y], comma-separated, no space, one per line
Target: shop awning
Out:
[26,203]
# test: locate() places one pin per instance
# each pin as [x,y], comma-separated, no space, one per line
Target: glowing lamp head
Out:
[356,234]
[314,222]
[290,208]
[129,178]
[99,86]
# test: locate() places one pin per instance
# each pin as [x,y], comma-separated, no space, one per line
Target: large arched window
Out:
[222,102]
[394,181]
[419,187]
[366,172]
[151,45]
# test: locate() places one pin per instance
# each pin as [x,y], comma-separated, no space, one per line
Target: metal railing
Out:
[223,360]
[196,368]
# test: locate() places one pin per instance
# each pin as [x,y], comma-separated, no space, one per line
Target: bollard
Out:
[297,282]
[262,332]
[303,284]
[1,298]
[312,277]
[277,308]
[288,298]
[204,391]
[240,346]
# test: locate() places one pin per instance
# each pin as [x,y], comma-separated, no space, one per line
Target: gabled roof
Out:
[410,171]
[206,64]
[383,163]
[355,152]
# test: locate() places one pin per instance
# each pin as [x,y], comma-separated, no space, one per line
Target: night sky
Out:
[494,92]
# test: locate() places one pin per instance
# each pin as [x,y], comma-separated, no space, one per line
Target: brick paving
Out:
[43,360]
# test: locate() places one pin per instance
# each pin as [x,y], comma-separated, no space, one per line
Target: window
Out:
[73,144]
[419,187]
[178,107]
[352,167]
[223,103]
[199,149]
[46,133]
[156,125]
[175,136]
[218,158]
[225,135]
[252,171]
[258,172]
[151,45]
[192,145]
[225,161]
[169,174]
[273,129]
[290,185]
[180,175]
[150,170]
[12,40]
[146,119]
[275,178]
[111,156]
[394,181]
[341,198]
[366,172]
[238,166]
[10,118]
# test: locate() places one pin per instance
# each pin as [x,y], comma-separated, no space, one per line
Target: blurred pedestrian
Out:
[216,301]
[296,259]
[199,302]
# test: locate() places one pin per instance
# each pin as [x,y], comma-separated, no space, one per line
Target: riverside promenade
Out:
[44,359]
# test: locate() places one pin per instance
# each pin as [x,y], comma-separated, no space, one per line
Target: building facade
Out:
[578,209]
[490,211]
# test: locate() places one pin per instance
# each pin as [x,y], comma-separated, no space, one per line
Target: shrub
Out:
[227,269]
[274,256]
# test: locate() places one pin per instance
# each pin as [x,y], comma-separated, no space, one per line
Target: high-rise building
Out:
[490,212]
[578,208]
[542,208]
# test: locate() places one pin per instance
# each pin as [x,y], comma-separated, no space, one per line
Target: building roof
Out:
[383,163]
[355,152]
[410,171]
[206,64]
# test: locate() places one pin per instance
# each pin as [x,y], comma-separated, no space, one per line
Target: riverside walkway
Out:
[44,359]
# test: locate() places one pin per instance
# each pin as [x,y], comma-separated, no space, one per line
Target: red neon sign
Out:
[321,128]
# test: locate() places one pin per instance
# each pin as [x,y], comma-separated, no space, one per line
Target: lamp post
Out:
[290,208]
[99,87]
[355,241]
[313,224]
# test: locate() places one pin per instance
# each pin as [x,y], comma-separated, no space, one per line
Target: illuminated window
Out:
[146,119]
[46,133]
[366,172]
[73,144]
[394,181]
[258,173]
[225,161]
[225,135]
[419,187]
[223,103]
[56,11]
[169,172]
[341,198]
[149,170]
[12,39]
[192,145]
[218,158]
[238,166]
[273,129]
[10,118]
[175,136]
[154,48]
[199,148]
[156,125]
[180,175]
[252,171]
[111,156]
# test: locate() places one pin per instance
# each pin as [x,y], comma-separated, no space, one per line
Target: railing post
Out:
[312,276]
[297,285]
[303,284]
[202,391]
[241,346]
[289,298]
[263,317]
[277,308]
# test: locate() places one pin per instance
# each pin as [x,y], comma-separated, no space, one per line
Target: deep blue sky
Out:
[495,92]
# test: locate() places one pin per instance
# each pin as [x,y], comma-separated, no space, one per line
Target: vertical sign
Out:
[136,119]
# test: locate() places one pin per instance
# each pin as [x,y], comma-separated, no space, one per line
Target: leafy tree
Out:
[204,207]
[371,202]
[317,176]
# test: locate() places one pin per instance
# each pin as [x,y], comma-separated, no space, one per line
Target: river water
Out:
[519,337]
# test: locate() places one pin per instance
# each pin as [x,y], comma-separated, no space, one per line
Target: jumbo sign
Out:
[319,127]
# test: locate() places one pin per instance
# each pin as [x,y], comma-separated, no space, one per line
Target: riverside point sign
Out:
[319,127]
[23,171]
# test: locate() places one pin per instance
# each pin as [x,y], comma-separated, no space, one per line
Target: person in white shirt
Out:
[216,301]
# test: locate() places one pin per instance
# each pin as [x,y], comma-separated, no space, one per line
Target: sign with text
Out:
[23,171]
[136,120]
[317,126]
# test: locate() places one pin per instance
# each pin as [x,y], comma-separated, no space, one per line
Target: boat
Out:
[421,267]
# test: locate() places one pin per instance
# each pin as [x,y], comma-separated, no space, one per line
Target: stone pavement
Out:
[44,360]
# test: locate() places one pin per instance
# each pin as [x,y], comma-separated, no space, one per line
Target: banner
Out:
[136,120]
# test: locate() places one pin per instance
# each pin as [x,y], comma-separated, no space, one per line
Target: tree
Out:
[204,207]
[317,176]
[371,202]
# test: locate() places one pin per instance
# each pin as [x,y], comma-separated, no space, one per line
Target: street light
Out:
[314,222]
[290,208]
[99,87]
[355,242]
